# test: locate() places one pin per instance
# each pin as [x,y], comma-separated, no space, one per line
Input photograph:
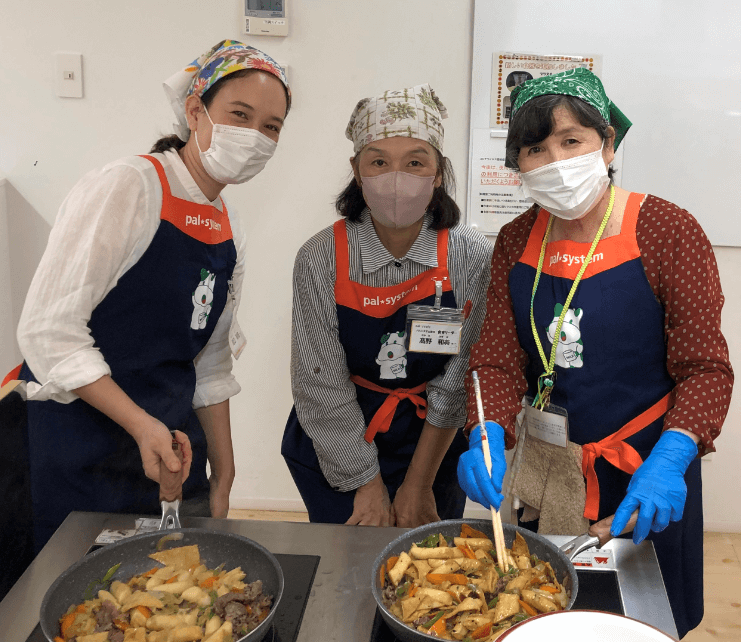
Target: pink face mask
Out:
[397,199]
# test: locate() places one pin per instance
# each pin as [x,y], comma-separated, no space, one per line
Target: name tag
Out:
[433,336]
[550,425]
[433,328]
[237,342]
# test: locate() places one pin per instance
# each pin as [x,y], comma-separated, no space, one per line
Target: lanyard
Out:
[548,378]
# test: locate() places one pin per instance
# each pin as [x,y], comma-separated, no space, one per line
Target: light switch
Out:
[68,74]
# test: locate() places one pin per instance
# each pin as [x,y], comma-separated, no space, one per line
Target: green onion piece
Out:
[90,590]
[493,602]
[500,571]
[429,623]
[403,589]
[430,541]
[110,573]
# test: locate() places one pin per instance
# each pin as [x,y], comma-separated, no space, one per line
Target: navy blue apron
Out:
[372,326]
[149,328]
[611,368]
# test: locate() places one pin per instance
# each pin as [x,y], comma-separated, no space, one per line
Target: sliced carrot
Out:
[482,632]
[151,571]
[467,552]
[263,614]
[382,576]
[392,562]
[171,580]
[209,581]
[548,589]
[454,595]
[453,578]
[413,590]
[439,626]
[527,608]
[66,622]
[467,531]
[58,639]
[80,608]
[147,613]
[120,624]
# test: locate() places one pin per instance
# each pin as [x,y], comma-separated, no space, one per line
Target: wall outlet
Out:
[68,74]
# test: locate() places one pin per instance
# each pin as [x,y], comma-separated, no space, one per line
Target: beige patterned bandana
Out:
[415,112]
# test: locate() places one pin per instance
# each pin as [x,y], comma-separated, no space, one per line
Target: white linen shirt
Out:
[325,398]
[103,228]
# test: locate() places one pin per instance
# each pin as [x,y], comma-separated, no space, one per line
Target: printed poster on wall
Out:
[511,69]
[494,198]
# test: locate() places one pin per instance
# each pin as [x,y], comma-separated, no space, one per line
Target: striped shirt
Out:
[325,398]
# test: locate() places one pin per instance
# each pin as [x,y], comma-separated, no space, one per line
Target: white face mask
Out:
[569,188]
[236,154]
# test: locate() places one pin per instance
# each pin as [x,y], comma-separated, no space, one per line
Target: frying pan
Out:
[132,553]
[539,545]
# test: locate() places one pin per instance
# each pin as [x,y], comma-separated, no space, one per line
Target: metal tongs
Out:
[597,536]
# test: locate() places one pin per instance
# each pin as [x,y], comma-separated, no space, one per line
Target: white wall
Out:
[338,52]
[9,354]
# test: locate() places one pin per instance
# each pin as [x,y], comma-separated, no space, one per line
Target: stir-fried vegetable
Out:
[455,590]
[182,601]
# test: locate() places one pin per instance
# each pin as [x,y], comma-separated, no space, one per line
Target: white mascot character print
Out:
[203,300]
[393,356]
[570,347]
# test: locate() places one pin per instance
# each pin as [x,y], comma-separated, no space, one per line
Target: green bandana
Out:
[578,82]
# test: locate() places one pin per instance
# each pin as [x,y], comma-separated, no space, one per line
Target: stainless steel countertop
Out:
[341,606]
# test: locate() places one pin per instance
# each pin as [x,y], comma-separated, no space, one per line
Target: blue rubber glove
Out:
[657,488]
[472,474]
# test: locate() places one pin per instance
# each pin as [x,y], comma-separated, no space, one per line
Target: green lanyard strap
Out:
[548,378]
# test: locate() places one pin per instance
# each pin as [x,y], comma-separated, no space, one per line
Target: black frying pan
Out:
[539,545]
[133,554]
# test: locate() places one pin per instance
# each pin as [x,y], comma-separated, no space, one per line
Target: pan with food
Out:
[199,580]
[443,580]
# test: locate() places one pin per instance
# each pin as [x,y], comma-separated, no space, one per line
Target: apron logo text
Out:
[205,222]
[389,300]
[571,259]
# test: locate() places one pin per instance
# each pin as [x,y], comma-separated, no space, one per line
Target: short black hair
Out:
[445,211]
[533,123]
[173,140]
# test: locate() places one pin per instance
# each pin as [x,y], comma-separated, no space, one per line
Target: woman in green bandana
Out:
[604,306]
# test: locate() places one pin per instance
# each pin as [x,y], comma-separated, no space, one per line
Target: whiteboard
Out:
[672,67]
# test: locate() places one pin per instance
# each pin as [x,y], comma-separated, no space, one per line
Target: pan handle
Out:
[601,529]
[171,492]
[597,536]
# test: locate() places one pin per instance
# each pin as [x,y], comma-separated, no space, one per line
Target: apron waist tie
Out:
[620,454]
[381,421]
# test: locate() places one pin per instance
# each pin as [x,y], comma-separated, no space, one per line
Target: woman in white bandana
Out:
[374,437]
